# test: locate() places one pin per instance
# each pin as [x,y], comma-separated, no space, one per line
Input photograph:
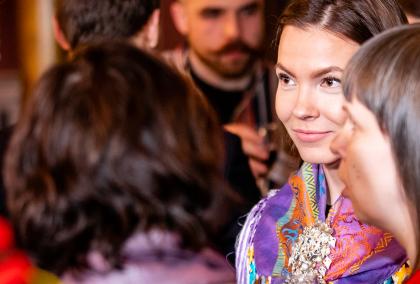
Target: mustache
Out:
[239,46]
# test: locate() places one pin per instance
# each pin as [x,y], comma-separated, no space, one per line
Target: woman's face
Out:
[367,165]
[309,99]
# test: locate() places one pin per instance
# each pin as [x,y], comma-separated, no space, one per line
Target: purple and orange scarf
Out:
[362,254]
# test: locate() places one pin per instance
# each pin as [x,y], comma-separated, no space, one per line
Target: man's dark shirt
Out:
[223,102]
[226,103]
[236,168]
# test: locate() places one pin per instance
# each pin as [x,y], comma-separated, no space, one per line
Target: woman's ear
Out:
[59,35]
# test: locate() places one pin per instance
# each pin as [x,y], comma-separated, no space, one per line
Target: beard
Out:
[230,68]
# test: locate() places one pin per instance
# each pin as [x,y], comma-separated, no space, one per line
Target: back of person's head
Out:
[357,20]
[112,143]
[84,21]
[384,75]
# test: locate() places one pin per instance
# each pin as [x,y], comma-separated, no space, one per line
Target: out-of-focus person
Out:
[380,140]
[114,174]
[223,57]
[80,22]
[306,231]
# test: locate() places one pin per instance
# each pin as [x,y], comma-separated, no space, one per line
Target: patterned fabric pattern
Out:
[363,254]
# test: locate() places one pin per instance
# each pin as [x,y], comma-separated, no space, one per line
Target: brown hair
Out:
[84,21]
[357,20]
[111,143]
[411,7]
[385,76]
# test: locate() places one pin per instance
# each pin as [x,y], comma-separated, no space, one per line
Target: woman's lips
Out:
[309,136]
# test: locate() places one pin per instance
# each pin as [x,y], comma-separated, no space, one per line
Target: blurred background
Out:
[27,46]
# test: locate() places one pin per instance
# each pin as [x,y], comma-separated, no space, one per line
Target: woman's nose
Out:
[306,107]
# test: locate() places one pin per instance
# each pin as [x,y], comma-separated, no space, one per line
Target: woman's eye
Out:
[286,81]
[331,82]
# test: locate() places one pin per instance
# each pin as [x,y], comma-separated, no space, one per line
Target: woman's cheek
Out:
[284,106]
[333,110]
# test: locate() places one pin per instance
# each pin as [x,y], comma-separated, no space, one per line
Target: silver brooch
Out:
[310,255]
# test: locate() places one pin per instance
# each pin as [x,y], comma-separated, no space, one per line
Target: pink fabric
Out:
[167,264]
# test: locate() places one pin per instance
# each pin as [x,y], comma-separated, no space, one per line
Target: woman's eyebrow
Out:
[314,74]
[326,70]
[280,66]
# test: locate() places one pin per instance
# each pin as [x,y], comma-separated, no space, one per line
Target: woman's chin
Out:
[315,156]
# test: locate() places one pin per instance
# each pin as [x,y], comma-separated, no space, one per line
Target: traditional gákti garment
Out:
[362,253]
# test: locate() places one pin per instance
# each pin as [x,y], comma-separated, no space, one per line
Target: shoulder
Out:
[257,215]
[274,205]
[204,267]
[258,210]
[208,266]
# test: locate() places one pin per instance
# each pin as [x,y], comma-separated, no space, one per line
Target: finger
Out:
[255,150]
[258,169]
[244,132]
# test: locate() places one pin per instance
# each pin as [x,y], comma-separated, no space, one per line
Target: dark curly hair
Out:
[83,21]
[112,143]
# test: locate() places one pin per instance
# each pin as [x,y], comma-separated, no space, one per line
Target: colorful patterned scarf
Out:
[362,254]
